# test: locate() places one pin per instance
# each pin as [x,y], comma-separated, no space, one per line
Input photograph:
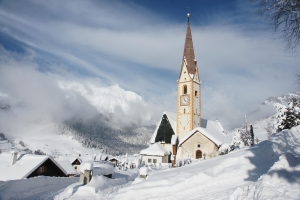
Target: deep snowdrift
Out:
[269,170]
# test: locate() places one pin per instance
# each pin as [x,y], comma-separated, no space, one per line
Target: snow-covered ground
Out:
[268,170]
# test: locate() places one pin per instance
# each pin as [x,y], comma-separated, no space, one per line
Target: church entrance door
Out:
[198,154]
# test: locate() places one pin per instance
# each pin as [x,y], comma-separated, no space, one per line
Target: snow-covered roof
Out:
[174,139]
[213,130]
[103,169]
[24,166]
[115,159]
[67,166]
[71,159]
[172,119]
[155,150]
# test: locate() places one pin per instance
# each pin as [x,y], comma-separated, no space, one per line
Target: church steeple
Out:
[188,53]
[189,89]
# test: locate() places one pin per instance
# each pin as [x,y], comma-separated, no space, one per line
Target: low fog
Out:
[30,96]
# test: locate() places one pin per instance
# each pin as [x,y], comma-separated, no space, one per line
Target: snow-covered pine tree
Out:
[287,116]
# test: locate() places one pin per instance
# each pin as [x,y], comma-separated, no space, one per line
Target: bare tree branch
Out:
[284,17]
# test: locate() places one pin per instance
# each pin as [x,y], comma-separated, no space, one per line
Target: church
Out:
[185,134]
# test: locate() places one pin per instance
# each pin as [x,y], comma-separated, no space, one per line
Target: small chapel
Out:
[186,134]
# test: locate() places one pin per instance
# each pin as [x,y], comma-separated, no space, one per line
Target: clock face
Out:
[184,100]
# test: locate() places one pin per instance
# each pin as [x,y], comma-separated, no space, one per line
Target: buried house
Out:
[28,165]
[185,134]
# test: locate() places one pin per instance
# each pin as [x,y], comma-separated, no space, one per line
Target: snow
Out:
[268,170]
[174,139]
[155,150]
[144,171]
[87,166]
[265,171]
[103,169]
[33,188]
[24,166]
[212,130]
[114,96]
[66,165]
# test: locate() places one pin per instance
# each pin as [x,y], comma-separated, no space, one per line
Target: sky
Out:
[138,45]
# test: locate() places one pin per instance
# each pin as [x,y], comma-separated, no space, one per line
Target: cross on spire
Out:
[188,15]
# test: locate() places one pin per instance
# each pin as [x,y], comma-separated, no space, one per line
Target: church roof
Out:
[213,130]
[155,150]
[188,52]
[172,119]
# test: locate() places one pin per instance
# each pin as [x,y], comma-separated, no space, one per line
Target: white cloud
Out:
[129,45]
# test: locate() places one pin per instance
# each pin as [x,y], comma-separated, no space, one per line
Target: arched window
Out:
[184,111]
[196,93]
[184,89]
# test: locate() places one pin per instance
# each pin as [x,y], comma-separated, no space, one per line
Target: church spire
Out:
[188,53]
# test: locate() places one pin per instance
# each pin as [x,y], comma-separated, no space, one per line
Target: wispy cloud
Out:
[130,45]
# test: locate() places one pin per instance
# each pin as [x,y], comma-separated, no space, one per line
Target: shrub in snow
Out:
[225,148]
[287,116]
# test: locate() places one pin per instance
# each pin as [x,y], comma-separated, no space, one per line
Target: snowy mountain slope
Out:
[105,99]
[283,99]
[111,119]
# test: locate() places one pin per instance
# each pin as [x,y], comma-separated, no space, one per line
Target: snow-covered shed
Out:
[28,165]
[156,153]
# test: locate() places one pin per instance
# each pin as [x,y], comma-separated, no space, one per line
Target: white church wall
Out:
[190,146]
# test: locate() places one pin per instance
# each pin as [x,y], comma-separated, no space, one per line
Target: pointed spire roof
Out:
[188,52]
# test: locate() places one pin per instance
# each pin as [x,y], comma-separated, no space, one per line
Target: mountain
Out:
[107,118]
[105,99]
[283,99]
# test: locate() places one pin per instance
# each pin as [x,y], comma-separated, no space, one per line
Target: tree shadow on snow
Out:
[276,157]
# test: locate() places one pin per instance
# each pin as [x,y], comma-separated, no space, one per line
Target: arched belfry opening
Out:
[165,130]
[185,89]
[198,154]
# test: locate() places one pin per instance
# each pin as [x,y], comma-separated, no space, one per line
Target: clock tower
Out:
[189,89]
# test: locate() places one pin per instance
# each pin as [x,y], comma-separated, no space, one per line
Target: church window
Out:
[184,111]
[196,93]
[149,160]
[184,89]
[198,145]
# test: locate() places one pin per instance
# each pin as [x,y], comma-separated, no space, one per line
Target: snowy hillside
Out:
[283,99]
[107,118]
[105,99]
[268,170]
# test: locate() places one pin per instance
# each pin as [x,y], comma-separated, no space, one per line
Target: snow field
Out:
[33,187]
[268,170]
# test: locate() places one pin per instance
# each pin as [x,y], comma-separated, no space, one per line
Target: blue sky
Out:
[139,44]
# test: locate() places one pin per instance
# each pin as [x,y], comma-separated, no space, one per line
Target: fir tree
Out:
[287,117]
